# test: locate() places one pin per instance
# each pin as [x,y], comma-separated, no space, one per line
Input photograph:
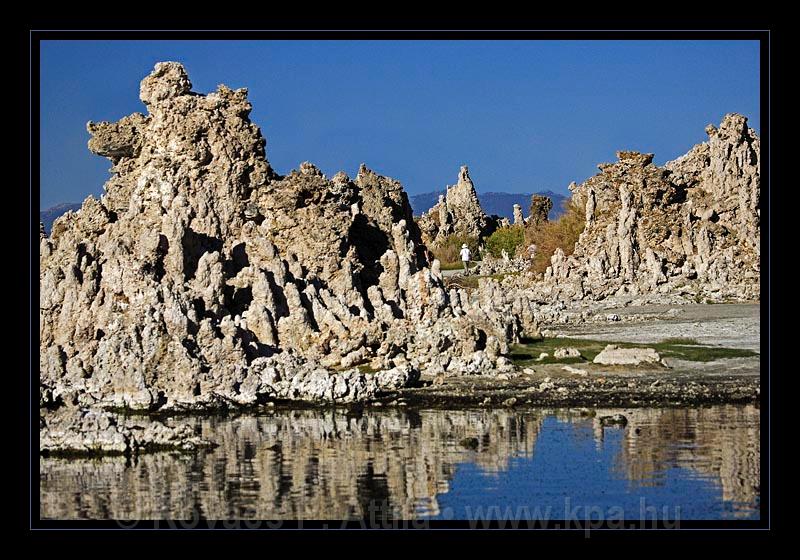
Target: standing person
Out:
[465,257]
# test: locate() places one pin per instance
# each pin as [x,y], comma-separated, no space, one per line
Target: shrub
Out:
[508,238]
[549,236]
[449,250]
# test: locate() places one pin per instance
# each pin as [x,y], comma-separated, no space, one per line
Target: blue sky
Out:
[524,115]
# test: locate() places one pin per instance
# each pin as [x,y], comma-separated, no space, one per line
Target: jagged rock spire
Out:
[691,226]
[459,213]
[201,276]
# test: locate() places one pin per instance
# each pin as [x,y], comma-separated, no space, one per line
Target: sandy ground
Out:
[457,271]
[730,325]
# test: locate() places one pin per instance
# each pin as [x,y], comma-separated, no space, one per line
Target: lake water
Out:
[431,464]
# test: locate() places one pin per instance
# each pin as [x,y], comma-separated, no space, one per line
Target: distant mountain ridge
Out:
[498,203]
[47,217]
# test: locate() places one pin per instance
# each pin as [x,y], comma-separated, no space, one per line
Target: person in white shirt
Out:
[466,255]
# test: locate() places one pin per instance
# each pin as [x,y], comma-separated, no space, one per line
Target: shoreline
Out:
[705,380]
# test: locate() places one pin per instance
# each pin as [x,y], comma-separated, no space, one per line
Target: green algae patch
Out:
[455,265]
[526,353]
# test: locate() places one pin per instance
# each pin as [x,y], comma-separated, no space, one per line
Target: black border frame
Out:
[29,69]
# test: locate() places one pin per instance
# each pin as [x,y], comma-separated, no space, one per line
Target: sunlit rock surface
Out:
[458,212]
[201,277]
[691,227]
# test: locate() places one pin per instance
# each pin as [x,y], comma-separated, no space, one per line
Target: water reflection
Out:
[721,444]
[333,465]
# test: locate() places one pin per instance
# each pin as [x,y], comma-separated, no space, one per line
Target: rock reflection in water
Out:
[299,464]
[722,444]
[332,465]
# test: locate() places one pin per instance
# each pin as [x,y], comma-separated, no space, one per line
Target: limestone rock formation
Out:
[491,265]
[566,352]
[203,278]
[539,209]
[690,227]
[725,173]
[518,217]
[614,355]
[458,212]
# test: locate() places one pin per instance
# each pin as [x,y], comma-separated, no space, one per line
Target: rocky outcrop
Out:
[202,277]
[458,212]
[613,355]
[724,175]
[48,216]
[518,217]
[566,352]
[539,209]
[491,265]
[493,203]
[690,227]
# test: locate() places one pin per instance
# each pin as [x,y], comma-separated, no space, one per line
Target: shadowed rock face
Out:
[689,227]
[539,209]
[201,276]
